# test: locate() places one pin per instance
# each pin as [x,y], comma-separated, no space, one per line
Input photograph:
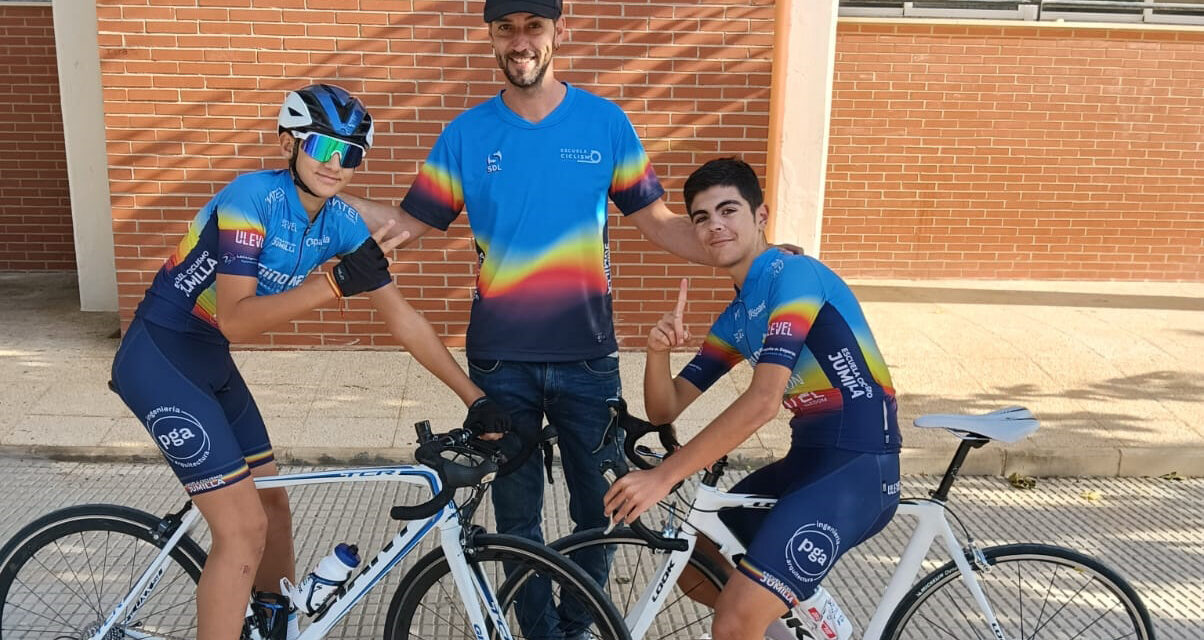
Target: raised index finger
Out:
[680,310]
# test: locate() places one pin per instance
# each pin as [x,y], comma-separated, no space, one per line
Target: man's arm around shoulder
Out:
[376,214]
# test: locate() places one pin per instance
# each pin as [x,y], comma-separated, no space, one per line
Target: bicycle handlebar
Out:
[473,461]
[635,429]
[615,469]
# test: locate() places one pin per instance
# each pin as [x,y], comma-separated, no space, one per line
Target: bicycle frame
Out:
[473,585]
[703,518]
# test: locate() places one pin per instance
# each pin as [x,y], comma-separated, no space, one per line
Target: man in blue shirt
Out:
[534,166]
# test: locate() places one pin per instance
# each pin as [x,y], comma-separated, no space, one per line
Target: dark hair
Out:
[728,172]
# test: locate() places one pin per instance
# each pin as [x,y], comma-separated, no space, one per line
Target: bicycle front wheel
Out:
[1036,591]
[541,593]
[63,574]
[686,612]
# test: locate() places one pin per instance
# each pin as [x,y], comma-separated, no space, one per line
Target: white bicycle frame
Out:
[703,518]
[473,585]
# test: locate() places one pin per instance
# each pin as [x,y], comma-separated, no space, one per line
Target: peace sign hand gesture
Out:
[670,331]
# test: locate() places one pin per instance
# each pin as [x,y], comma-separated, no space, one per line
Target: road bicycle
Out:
[106,572]
[1009,592]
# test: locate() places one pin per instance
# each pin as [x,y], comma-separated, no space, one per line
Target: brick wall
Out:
[986,152]
[1016,152]
[35,204]
[191,96]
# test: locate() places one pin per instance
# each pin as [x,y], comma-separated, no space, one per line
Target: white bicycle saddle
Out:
[1010,424]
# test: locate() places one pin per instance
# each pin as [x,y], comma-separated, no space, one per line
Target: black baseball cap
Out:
[495,9]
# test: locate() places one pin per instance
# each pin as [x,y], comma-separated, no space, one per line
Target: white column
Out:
[87,162]
[800,115]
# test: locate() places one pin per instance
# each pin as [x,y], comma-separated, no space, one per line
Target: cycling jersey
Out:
[536,199]
[794,311]
[255,226]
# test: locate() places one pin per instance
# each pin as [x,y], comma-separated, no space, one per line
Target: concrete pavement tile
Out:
[322,432]
[1141,461]
[75,431]
[69,399]
[357,402]
[934,462]
[301,368]
[15,401]
[1062,461]
[128,433]
[423,390]
[368,369]
[284,400]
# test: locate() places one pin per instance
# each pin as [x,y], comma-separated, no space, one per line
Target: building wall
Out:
[1016,153]
[191,97]
[35,205]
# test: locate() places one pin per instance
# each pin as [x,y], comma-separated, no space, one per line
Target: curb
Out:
[999,461]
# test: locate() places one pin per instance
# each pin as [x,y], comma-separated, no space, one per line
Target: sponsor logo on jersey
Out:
[196,273]
[493,162]
[317,242]
[284,245]
[850,374]
[281,281]
[336,205]
[248,239]
[275,195]
[812,550]
[581,155]
[782,328]
[179,435]
[757,310]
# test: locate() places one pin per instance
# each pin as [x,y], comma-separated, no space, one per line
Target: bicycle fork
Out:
[932,525]
[149,579]
[474,588]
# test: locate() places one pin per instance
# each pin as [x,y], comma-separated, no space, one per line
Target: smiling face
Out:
[325,179]
[728,228]
[523,44]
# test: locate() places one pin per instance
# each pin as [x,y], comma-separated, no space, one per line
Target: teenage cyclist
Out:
[811,349]
[246,265]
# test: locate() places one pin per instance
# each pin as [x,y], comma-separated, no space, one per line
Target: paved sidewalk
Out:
[1147,529]
[1115,372]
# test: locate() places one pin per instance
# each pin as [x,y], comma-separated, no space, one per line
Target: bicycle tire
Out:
[62,574]
[427,605]
[632,569]
[1073,596]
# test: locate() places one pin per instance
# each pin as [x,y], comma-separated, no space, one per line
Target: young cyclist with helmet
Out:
[245,266]
[811,349]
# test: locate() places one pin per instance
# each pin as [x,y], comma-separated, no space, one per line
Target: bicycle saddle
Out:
[1010,424]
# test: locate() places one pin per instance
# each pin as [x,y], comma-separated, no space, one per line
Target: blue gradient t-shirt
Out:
[536,196]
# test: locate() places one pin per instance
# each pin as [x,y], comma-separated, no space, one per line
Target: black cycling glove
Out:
[365,269]
[485,416]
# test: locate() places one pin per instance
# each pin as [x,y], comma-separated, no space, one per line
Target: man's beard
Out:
[518,81]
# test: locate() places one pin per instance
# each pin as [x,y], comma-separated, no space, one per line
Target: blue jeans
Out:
[572,396]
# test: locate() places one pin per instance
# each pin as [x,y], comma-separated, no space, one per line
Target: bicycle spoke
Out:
[939,626]
[66,623]
[962,610]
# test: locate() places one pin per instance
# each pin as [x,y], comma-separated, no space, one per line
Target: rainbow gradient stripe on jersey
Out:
[256,227]
[795,312]
[536,195]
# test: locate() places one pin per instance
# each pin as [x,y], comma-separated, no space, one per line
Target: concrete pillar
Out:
[800,114]
[87,162]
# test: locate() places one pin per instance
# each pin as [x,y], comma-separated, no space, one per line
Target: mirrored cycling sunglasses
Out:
[322,147]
